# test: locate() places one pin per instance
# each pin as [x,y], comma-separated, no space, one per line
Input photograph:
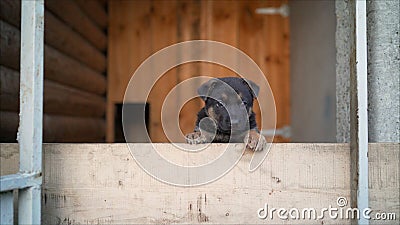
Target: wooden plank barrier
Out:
[102,184]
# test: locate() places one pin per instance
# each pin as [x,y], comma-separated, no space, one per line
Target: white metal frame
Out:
[362,107]
[29,178]
[359,114]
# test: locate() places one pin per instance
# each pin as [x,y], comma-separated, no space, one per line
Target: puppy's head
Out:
[229,102]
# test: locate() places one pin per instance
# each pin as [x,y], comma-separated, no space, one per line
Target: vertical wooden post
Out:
[359,115]
[110,120]
[31,106]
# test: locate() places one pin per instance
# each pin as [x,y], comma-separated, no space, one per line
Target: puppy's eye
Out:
[245,103]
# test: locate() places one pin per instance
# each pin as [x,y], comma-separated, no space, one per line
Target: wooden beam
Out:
[103,3]
[110,121]
[63,100]
[58,99]
[9,89]
[10,11]
[95,11]
[73,129]
[58,128]
[163,27]
[72,15]
[8,126]
[130,43]
[65,70]
[62,37]
[101,183]
[58,35]
[9,45]
[128,32]
[58,67]
[188,28]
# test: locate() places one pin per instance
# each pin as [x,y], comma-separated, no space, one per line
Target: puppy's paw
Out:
[196,138]
[255,141]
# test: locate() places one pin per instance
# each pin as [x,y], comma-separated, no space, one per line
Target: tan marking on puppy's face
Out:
[224,97]
[211,113]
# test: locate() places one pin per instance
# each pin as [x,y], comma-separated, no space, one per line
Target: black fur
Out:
[228,102]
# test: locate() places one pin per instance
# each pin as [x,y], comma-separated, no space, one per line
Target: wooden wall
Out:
[102,184]
[140,28]
[74,67]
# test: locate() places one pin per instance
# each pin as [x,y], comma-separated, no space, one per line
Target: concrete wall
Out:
[344,55]
[383,26]
[313,93]
[383,71]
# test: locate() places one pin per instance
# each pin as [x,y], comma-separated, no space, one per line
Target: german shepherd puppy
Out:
[227,115]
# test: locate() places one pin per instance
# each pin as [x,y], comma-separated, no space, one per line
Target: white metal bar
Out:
[31,106]
[362,100]
[7,207]
[29,207]
[19,181]
[283,10]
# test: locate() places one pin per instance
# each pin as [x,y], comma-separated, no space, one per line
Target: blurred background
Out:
[92,48]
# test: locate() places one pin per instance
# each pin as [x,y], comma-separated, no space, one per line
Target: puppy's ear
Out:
[254,88]
[205,89]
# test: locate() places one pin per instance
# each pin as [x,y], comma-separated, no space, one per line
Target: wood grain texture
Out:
[72,14]
[265,38]
[95,11]
[74,83]
[101,183]
[130,43]
[277,64]
[9,89]
[110,121]
[163,25]
[57,66]
[58,35]
[56,128]
[10,11]
[65,70]
[58,99]
[188,28]
[130,35]
[62,37]
[224,28]
[140,28]
[73,129]
[8,126]
[9,45]
[252,41]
